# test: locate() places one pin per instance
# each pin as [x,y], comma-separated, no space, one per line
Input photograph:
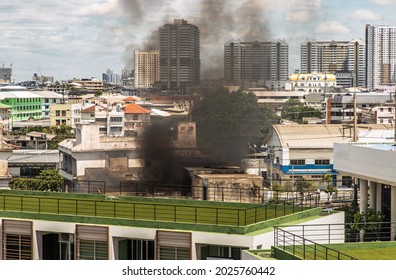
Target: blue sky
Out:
[80,38]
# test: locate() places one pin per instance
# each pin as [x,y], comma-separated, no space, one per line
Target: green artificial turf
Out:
[228,214]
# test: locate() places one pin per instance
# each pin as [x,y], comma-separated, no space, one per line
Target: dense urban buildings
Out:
[256,61]
[180,62]
[334,56]
[381,55]
[147,68]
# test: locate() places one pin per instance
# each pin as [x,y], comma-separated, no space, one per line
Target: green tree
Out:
[303,186]
[369,224]
[330,188]
[294,110]
[47,180]
[227,122]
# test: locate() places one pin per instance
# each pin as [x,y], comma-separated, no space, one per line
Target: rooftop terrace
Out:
[236,218]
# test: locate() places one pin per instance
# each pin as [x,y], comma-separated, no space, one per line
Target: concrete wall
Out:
[366,162]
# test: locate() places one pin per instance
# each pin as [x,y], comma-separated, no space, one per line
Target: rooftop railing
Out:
[109,207]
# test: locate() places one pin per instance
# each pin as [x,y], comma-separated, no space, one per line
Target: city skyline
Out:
[82,40]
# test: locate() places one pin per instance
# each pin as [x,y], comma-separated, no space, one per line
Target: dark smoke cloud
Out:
[218,21]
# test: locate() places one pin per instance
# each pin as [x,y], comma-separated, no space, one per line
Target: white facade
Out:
[313,82]
[276,99]
[381,55]
[373,165]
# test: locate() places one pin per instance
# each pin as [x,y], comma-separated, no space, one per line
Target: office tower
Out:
[179,55]
[335,56]
[147,68]
[256,60]
[381,55]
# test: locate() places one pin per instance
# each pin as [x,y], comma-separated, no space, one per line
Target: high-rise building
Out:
[335,56]
[381,55]
[147,68]
[256,60]
[110,77]
[6,75]
[180,61]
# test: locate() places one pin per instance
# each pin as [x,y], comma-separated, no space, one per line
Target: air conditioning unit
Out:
[66,237]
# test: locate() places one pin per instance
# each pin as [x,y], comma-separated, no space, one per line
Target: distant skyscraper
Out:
[256,60]
[180,62]
[6,75]
[381,55]
[335,56]
[110,77]
[147,68]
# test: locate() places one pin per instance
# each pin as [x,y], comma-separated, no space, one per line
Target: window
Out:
[322,161]
[116,119]
[57,113]
[297,162]
[133,249]
[135,117]
[217,251]
[63,113]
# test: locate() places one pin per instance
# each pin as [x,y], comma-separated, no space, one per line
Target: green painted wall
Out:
[24,108]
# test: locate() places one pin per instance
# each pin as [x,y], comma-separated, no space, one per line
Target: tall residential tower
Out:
[147,68]
[335,56]
[180,62]
[381,55]
[256,60]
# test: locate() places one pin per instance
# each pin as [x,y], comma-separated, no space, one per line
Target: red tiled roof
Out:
[89,109]
[130,98]
[135,109]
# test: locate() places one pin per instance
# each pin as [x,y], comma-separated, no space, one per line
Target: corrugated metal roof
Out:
[34,156]
[318,136]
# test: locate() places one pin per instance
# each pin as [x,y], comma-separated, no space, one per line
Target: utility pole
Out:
[394,121]
[271,162]
[355,196]
[354,119]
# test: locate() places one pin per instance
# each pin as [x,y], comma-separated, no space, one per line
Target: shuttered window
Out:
[92,243]
[173,245]
[17,240]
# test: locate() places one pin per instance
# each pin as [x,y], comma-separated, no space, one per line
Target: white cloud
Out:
[384,2]
[365,15]
[304,5]
[299,16]
[332,28]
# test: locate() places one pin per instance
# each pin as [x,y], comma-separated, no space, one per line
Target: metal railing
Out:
[304,248]
[151,211]
[211,193]
[313,241]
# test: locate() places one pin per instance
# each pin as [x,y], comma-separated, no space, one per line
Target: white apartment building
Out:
[110,119]
[147,68]
[381,55]
[333,56]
